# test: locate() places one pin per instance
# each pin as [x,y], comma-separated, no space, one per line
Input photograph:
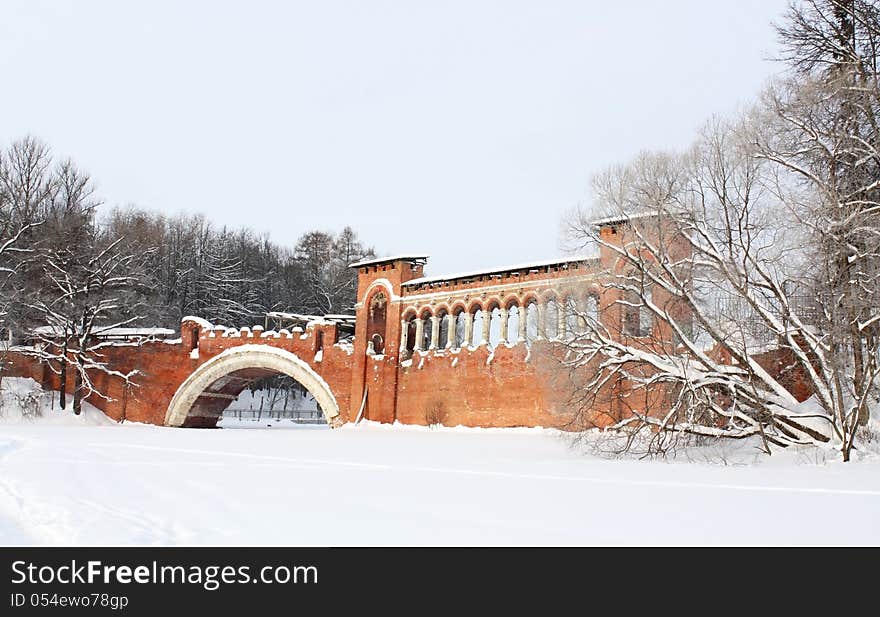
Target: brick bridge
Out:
[477,348]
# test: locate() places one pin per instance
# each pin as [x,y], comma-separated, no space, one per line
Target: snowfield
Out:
[88,481]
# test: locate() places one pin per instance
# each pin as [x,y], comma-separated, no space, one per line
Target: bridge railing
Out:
[299,416]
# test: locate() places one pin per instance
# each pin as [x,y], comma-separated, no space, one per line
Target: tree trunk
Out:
[77,390]
[62,389]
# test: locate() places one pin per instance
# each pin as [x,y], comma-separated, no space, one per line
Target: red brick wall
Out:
[162,367]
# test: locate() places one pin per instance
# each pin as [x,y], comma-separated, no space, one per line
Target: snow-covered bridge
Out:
[476,348]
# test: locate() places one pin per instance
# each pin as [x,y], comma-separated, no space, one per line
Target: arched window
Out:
[477,330]
[646,317]
[376,322]
[591,308]
[495,327]
[460,321]
[531,315]
[410,337]
[443,324]
[426,331]
[513,319]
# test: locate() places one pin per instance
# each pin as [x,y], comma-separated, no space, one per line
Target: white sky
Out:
[460,129]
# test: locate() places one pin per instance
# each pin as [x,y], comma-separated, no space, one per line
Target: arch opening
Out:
[204,395]
[513,324]
[275,400]
[494,317]
[376,317]
[531,316]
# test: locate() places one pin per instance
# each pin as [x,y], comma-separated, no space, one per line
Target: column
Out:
[468,329]
[435,331]
[484,335]
[404,333]
[523,312]
[503,312]
[542,320]
[450,335]
[420,334]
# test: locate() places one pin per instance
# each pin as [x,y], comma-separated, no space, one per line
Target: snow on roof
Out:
[517,268]
[202,323]
[304,317]
[410,257]
[109,332]
[340,317]
[622,218]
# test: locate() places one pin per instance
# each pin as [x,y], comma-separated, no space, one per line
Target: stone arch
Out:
[474,306]
[384,284]
[458,307]
[530,297]
[493,303]
[441,307]
[246,359]
[511,301]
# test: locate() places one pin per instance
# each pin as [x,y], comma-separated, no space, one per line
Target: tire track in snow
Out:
[502,474]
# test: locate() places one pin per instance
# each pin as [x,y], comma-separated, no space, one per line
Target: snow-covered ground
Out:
[89,481]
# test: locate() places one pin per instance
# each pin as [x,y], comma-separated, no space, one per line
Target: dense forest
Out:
[64,262]
[69,269]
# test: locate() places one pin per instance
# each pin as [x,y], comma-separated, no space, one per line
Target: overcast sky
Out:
[459,129]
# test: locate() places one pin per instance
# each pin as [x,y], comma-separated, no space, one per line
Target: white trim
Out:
[384,282]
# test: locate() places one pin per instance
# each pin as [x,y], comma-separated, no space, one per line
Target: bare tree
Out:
[95,287]
[712,285]
[747,268]
[331,285]
[27,187]
[823,134]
